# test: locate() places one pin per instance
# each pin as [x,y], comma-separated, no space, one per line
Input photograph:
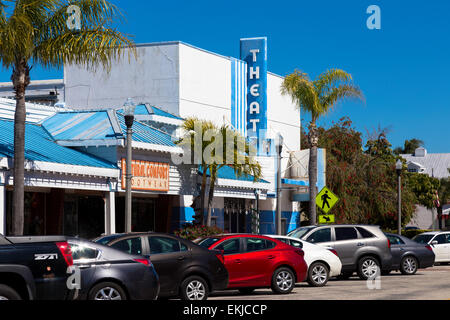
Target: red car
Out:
[255,261]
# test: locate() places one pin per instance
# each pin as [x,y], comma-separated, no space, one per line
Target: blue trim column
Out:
[2,204]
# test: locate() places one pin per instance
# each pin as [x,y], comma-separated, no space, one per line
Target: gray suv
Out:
[361,248]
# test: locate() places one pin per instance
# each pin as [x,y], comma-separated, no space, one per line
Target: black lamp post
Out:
[128,109]
[255,224]
[278,212]
[398,168]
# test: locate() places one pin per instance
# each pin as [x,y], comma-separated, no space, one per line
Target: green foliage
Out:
[424,187]
[36,30]
[409,147]
[365,181]
[191,232]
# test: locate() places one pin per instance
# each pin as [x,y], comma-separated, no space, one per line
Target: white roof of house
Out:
[435,164]
[34,112]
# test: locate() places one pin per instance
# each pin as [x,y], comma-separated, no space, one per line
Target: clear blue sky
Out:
[403,69]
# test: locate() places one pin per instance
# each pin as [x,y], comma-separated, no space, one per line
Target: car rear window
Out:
[346,233]
[207,242]
[365,233]
[130,245]
[423,238]
[257,244]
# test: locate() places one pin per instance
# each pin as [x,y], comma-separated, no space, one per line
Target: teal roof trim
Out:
[40,146]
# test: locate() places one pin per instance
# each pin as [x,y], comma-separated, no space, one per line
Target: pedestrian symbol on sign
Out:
[326,200]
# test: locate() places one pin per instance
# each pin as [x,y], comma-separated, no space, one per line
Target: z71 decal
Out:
[44,256]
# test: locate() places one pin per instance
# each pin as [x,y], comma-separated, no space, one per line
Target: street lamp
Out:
[255,224]
[398,168]
[128,109]
[278,214]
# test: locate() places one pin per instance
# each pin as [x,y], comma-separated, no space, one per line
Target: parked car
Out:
[439,242]
[408,256]
[323,263]
[110,274]
[255,261]
[34,268]
[185,269]
[362,248]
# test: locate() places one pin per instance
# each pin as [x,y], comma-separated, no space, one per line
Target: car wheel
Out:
[246,290]
[344,275]
[409,265]
[107,291]
[318,274]
[194,288]
[368,268]
[283,281]
[8,293]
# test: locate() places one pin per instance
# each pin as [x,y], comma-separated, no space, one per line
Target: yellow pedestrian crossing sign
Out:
[326,200]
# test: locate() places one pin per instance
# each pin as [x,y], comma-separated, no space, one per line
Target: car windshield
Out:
[107,239]
[423,238]
[207,242]
[300,232]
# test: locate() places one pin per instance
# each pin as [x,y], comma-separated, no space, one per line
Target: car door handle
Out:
[271,257]
[181,258]
[237,261]
[360,244]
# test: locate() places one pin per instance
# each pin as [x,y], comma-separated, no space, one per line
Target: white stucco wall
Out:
[153,77]
[205,85]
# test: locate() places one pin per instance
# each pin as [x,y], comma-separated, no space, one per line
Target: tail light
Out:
[389,243]
[66,252]
[429,247]
[335,252]
[221,257]
[144,261]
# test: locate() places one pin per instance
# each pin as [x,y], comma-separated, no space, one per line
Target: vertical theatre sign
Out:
[254,53]
[147,176]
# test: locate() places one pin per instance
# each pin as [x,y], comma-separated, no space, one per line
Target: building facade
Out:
[170,81]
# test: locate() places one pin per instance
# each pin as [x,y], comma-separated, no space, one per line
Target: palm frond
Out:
[302,92]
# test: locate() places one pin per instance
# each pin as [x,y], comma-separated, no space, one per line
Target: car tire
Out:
[368,268]
[345,275]
[409,265]
[8,293]
[194,288]
[318,274]
[283,281]
[107,291]
[246,291]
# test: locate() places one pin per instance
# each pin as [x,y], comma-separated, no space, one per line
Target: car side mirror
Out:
[434,242]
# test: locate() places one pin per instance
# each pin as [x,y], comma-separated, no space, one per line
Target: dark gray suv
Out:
[361,248]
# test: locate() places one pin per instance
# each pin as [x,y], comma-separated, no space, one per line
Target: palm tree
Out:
[35,32]
[205,139]
[240,160]
[195,128]
[318,97]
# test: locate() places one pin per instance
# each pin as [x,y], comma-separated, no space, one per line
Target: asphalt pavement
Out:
[427,284]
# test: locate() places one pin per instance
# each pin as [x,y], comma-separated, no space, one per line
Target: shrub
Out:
[191,232]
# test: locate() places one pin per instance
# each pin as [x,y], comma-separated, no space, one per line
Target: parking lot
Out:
[426,284]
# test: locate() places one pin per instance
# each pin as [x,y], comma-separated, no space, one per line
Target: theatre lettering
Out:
[147,175]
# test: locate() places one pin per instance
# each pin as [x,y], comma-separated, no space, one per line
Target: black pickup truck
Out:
[34,268]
